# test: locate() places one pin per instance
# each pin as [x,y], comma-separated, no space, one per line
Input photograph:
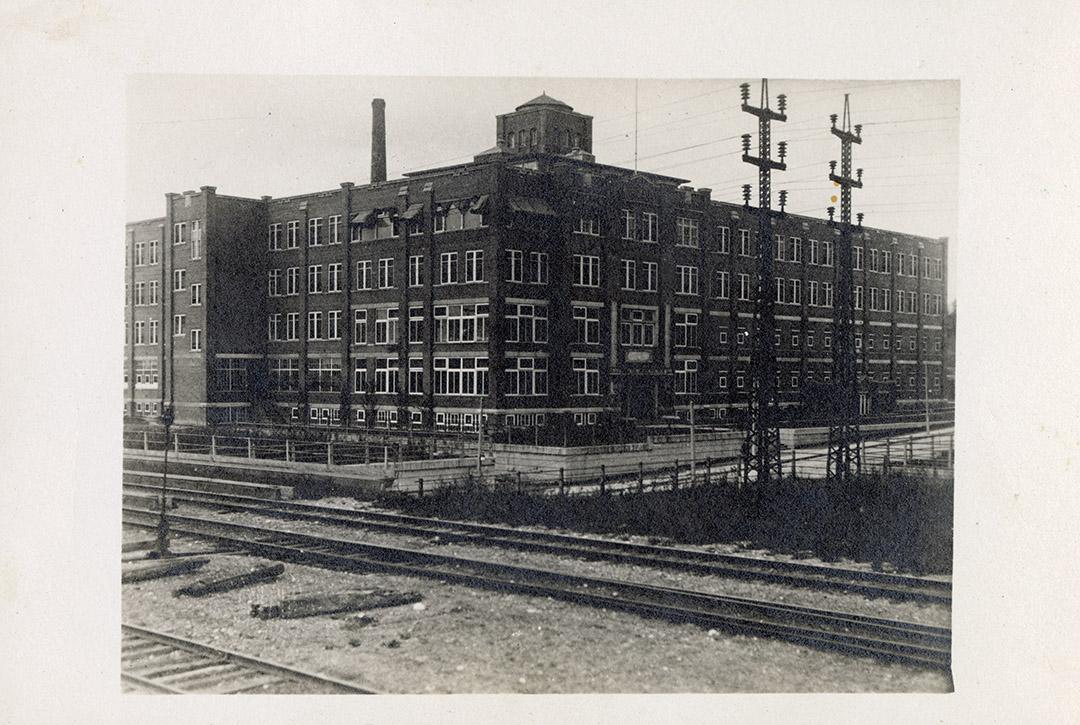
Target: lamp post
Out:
[163,523]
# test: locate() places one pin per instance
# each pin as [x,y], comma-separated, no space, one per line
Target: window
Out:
[886,341]
[651,276]
[140,332]
[513,265]
[937,304]
[140,294]
[363,274]
[196,294]
[359,327]
[794,381]
[587,270]
[334,228]
[333,325]
[650,227]
[744,242]
[886,300]
[196,340]
[926,267]
[858,341]
[796,249]
[721,284]
[386,326]
[416,325]
[815,254]
[448,268]
[146,373]
[586,376]
[324,374]
[629,224]
[474,265]
[794,339]
[416,271]
[744,286]
[637,327]
[686,324]
[461,375]
[687,232]
[688,280]
[586,325]
[858,297]
[629,274]
[886,262]
[178,325]
[154,329]
[439,221]
[179,232]
[778,243]
[725,240]
[812,288]
[686,374]
[795,290]
[857,257]
[196,239]
[526,323]
[588,225]
[155,252]
[874,263]
[875,301]
[315,279]
[179,280]
[538,264]
[273,327]
[273,237]
[140,254]
[416,376]
[828,291]
[315,330]
[827,248]
[828,340]
[386,273]
[292,232]
[359,378]
[313,226]
[292,326]
[461,323]
[810,340]
[273,283]
[939,266]
[284,374]
[901,301]
[526,376]
[231,375]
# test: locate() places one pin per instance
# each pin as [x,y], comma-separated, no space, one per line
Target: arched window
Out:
[521,139]
[569,140]
[532,137]
[510,139]
[577,140]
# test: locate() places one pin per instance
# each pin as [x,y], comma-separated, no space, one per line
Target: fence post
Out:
[420,490]
[249,447]
[286,450]
[640,477]
[176,443]
[329,454]
[145,440]
[603,479]
[910,451]
[888,454]
[675,477]
[708,471]
[213,447]
[519,482]
[562,482]
[793,450]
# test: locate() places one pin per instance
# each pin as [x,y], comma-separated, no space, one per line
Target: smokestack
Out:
[378,140]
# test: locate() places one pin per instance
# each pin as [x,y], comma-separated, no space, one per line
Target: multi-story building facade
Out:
[532,283]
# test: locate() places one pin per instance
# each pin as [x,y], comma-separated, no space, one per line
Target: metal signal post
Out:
[761,448]
[844,461]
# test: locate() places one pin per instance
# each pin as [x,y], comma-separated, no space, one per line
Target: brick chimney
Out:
[378,140]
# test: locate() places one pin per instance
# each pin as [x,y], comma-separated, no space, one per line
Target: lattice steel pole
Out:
[761,448]
[844,461]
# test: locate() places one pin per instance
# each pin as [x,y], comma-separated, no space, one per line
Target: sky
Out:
[289,134]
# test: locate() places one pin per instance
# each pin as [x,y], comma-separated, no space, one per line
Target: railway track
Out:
[904,642]
[878,584]
[155,662]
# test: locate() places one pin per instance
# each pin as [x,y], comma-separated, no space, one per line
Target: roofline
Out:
[820,220]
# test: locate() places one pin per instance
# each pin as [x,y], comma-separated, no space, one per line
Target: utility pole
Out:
[844,461]
[761,448]
[693,446]
[163,522]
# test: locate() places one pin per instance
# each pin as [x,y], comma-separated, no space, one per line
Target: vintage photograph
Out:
[538,384]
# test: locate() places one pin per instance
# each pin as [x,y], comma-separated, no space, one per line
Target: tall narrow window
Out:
[333,277]
[629,274]
[314,239]
[448,268]
[538,266]
[416,271]
[513,265]
[334,229]
[724,241]
[386,273]
[474,265]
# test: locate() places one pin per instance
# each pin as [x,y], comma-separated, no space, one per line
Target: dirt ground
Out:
[464,640]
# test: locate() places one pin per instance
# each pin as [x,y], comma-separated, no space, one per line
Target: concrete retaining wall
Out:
[544,462]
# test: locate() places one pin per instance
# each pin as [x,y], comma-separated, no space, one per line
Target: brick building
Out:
[532,282]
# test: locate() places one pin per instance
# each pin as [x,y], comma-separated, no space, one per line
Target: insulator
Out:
[858,174]
[746,143]
[783,199]
[858,129]
[832,211]
[746,194]
[859,217]
[744,89]
[783,149]
[832,118]
[832,167]
[781,102]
